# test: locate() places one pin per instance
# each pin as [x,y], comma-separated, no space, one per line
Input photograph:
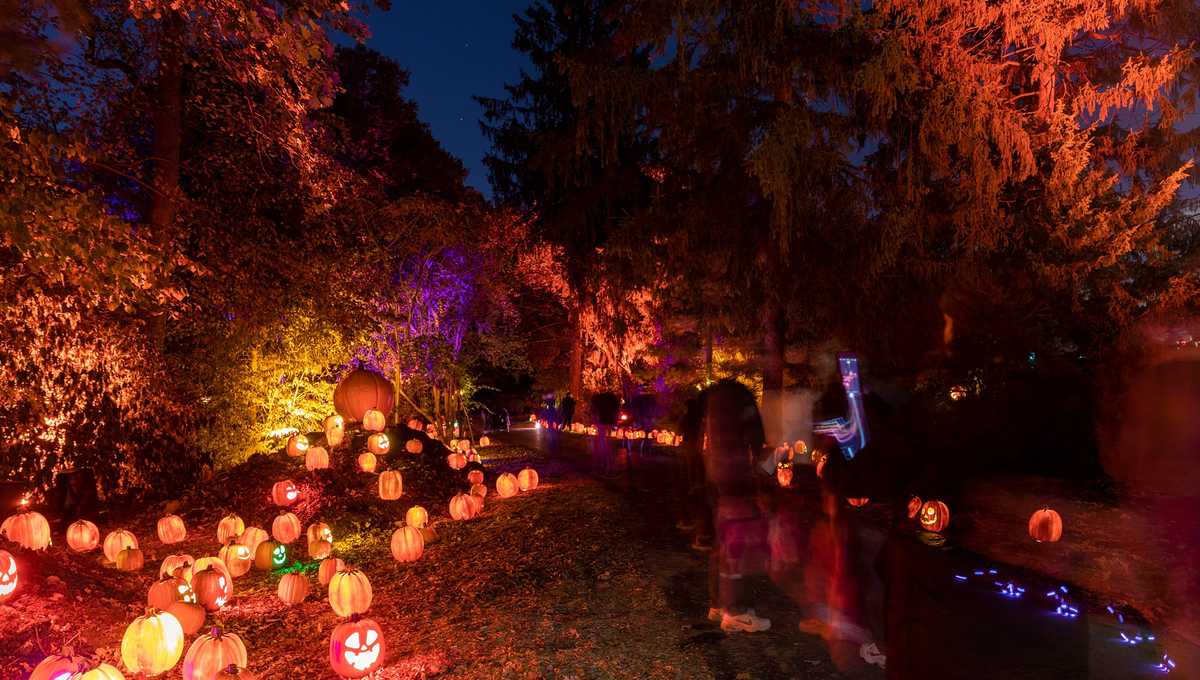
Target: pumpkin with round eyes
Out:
[237,558]
[9,576]
[527,480]
[83,536]
[506,485]
[211,652]
[213,587]
[335,430]
[297,445]
[317,458]
[117,541]
[230,526]
[356,648]
[416,517]
[475,477]
[179,566]
[28,529]
[350,592]
[378,444]
[456,461]
[374,421]
[935,516]
[284,493]
[367,462]
[270,555]
[286,528]
[391,485]
[414,446]
[152,644]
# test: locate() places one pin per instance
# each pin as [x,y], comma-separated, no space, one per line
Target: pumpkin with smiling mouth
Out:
[356,648]
[8,575]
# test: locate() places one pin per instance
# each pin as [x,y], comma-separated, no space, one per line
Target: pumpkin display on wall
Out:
[152,644]
[212,652]
[270,555]
[285,528]
[475,477]
[362,390]
[1045,526]
[284,493]
[9,576]
[171,529]
[506,485]
[297,444]
[317,458]
[293,588]
[252,537]
[190,614]
[935,516]
[374,421]
[130,559]
[407,544]
[366,462]
[349,592]
[379,443]
[213,585]
[230,526]
[237,558]
[456,461]
[335,430]
[83,536]
[461,507]
[527,479]
[116,541]
[414,446]
[179,566]
[391,485]
[28,529]
[329,567]
[356,648]
[416,517]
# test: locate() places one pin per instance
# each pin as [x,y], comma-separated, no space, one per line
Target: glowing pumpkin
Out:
[475,477]
[171,529]
[179,566]
[407,544]
[335,430]
[858,502]
[9,576]
[130,559]
[317,458]
[286,528]
[783,474]
[213,587]
[83,536]
[416,517]
[366,462]
[56,667]
[296,446]
[318,531]
[270,555]
[462,508]
[116,541]
[414,446]
[237,558]
[506,485]
[293,588]
[319,550]
[374,421]
[472,456]
[152,644]
[456,461]
[28,529]
[914,507]
[284,493]
[349,592]
[356,648]
[478,490]
[230,526]
[252,537]
[167,591]
[1045,526]
[527,479]
[484,441]
[212,652]
[935,516]
[378,444]
[820,468]
[391,485]
[191,615]
[329,567]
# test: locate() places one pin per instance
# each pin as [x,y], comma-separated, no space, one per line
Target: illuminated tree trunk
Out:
[576,355]
[168,126]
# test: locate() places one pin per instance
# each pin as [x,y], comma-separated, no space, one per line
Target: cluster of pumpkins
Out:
[660,437]
[189,589]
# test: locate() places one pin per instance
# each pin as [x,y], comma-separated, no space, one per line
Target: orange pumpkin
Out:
[167,591]
[407,544]
[356,648]
[213,587]
[171,529]
[317,458]
[230,526]
[252,537]
[378,443]
[1045,526]
[335,430]
[56,667]
[461,507]
[130,559]
[456,461]
[478,490]
[318,531]
[484,441]
[9,575]
[475,477]
[293,588]
[329,567]
[179,566]
[116,541]
[783,474]
[374,421]
[286,528]
[83,536]
[28,529]
[152,644]
[349,592]
[212,652]
[527,479]
[413,446]
[296,446]
[391,485]
[237,558]
[935,516]
[858,502]
[284,493]
[914,507]
[820,468]
[270,555]
[366,462]
[506,485]
[191,615]
[319,550]
[416,517]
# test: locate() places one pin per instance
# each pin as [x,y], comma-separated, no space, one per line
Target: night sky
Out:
[454,49]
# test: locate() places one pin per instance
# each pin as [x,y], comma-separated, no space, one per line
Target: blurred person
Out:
[694,513]
[605,408]
[566,407]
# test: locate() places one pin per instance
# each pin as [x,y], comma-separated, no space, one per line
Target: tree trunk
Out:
[168,126]
[708,353]
[576,355]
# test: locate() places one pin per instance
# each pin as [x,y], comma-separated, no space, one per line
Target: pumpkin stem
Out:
[215,631]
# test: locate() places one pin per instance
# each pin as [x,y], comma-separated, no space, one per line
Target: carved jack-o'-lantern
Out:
[407,544]
[286,528]
[935,516]
[171,529]
[317,458]
[237,558]
[527,479]
[230,526]
[9,575]
[391,485]
[167,591]
[28,529]
[416,517]
[414,446]
[456,461]
[319,550]
[212,652]
[478,490]
[284,493]
[858,502]
[356,648]
[1045,526]
[296,446]
[506,485]
[318,531]
[152,644]
[350,592]
[783,473]
[374,421]
[83,536]
[366,462]
[116,541]
[379,444]
[212,583]
[335,430]
[270,555]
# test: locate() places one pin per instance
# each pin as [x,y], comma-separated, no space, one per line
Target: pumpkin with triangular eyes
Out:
[356,648]
[8,575]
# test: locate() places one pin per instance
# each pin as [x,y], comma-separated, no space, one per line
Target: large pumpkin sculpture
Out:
[407,544]
[367,462]
[361,391]
[83,536]
[9,576]
[374,421]
[391,485]
[230,526]
[171,529]
[293,588]
[935,516]
[284,493]
[527,479]
[296,446]
[116,541]
[237,558]
[349,592]
[356,648]
[213,585]
[335,430]
[461,507]
[286,528]
[28,529]
[506,485]
[211,653]
[379,444]
[1045,526]
[152,644]
[329,567]
[317,458]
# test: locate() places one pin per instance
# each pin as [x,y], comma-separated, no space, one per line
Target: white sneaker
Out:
[869,651]
[744,623]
